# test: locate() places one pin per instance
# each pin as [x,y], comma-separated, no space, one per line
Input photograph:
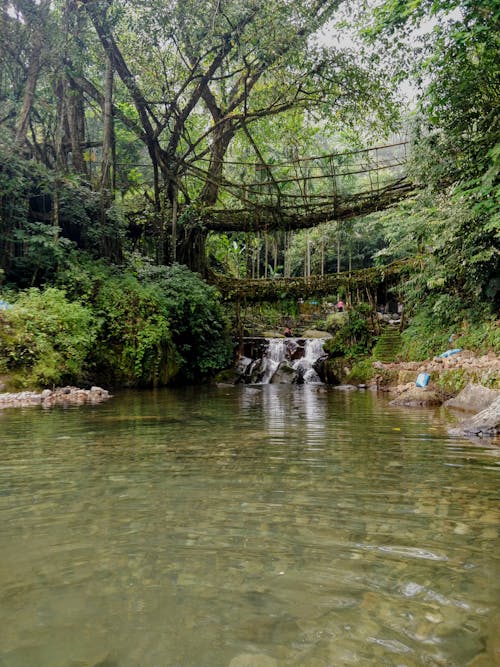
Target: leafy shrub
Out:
[355,337]
[157,324]
[197,323]
[482,336]
[435,328]
[334,322]
[361,372]
[135,345]
[45,339]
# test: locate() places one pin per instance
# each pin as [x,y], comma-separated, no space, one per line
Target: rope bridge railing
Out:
[305,185]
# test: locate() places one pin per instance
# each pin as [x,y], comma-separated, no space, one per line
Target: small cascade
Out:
[280,360]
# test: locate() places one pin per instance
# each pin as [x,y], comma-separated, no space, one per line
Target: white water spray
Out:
[296,355]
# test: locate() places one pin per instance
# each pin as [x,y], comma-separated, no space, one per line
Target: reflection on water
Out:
[246,527]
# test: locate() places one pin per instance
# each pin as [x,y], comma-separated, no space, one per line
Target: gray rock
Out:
[316,333]
[49,398]
[473,398]
[417,397]
[285,374]
[254,372]
[484,424]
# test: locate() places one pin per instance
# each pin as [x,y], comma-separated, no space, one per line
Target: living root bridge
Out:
[271,218]
[276,289]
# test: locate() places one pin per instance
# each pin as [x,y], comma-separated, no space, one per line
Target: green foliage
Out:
[227,253]
[481,334]
[197,323]
[45,339]
[258,318]
[355,337]
[443,323]
[34,241]
[454,224]
[361,372]
[334,322]
[135,344]
[452,381]
[157,324]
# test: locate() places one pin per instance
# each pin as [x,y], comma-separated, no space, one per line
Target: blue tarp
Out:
[4,305]
[448,353]
[422,379]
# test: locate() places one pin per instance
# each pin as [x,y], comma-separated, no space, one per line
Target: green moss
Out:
[362,372]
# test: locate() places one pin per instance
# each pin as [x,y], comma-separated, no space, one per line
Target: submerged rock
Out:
[253,660]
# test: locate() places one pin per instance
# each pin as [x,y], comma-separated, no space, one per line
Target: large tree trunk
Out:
[222,136]
[38,30]
[191,247]
[107,131]
[61,131]
[75,114]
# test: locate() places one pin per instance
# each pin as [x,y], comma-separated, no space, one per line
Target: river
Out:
[246,527]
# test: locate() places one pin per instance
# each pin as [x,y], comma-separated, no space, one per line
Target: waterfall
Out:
[276,353]
[280,360]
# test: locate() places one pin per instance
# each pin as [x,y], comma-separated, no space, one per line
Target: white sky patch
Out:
[348,39]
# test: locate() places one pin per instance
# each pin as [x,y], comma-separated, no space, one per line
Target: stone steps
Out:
[388,344]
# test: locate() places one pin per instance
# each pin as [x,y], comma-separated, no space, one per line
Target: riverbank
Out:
[447,375]
[465,382]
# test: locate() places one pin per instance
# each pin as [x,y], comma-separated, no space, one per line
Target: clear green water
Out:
[247,528]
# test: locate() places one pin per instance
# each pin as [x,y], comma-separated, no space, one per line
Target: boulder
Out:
[273,334]
[285,374]
[315,333]
[484,424]
[254,372]
[473,398]
[405,376]
[412,396]
[331,371]
[294,348]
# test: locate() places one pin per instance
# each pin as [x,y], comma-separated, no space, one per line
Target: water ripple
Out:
[194,527]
